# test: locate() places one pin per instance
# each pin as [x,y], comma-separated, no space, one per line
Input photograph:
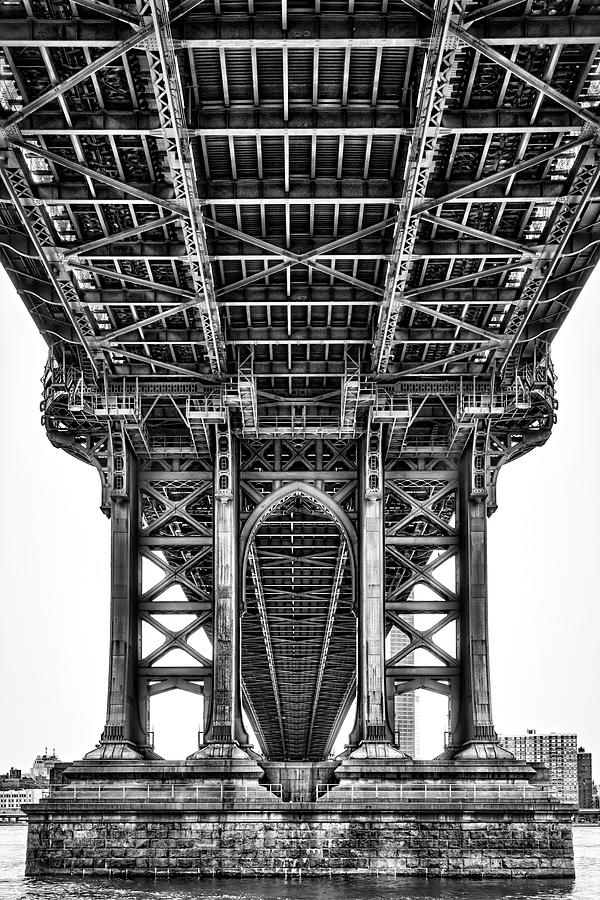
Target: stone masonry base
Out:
[302,841]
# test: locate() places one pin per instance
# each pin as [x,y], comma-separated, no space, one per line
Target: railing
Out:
[210,407]
[362,794]
[176,444]
[429,793]
[390,405]
[178,793]
[483,404]
[114,406]
[303,425]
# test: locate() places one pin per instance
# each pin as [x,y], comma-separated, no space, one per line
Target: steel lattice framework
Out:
[267,241]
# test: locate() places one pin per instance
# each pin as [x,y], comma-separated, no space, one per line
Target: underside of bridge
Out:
[298,608]
[298,266]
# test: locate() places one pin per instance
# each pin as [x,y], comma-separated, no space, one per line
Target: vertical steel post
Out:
[473,729]
[225,717]
[123,734]
[371,707]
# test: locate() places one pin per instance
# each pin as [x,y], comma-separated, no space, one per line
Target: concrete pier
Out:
[445,818]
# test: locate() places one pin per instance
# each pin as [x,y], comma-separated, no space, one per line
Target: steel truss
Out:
[298,274]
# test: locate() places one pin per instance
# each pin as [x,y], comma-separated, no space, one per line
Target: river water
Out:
[14,885]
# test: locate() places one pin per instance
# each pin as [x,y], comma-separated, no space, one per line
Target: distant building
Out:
[557,751]
[11,801]
[14,774]
[404,704]
[43,765]
[585,784]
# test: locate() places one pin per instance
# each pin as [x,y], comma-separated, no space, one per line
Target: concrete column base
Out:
[114,750]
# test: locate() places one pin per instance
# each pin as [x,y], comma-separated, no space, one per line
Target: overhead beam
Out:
[73,196]
[168,91]
[428,120]
[300,336]
[206,32]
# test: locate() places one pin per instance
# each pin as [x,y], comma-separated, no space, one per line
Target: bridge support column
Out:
[371,706]
[225,724]
[123,736]
[473,733]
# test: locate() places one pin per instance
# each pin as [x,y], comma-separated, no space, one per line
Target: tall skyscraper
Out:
[404,704]
[558,751]
[584,779]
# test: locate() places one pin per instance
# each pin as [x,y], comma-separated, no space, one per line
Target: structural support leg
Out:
[123,735]
[225,726]
[473,734]
[372,724]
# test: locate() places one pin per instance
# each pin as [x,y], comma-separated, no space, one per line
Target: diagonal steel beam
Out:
[472,276]
[342,276]
[183,9]
[123,235]
[105,60]
[504,173]
[132,279]
[252,239]
[486,50]
[171,205]
[113,12]
[455,357]
[542,86]
[306,259]
[108,336]
[149,361]
[436,314]
[491,9]
[251,279]
[59,89]
[421,638]
[477,233]
[310,254]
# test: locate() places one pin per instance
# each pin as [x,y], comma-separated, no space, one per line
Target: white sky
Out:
[54,559]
